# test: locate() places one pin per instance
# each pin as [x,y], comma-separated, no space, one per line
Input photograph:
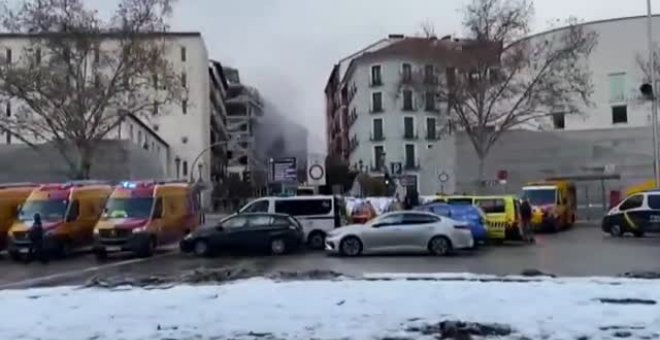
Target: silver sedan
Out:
[402,231]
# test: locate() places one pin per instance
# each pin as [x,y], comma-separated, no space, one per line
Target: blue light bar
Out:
[129,185]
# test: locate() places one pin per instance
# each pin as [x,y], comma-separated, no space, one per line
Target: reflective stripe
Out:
[630,221]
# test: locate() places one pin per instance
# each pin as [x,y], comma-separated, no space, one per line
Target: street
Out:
[581,251]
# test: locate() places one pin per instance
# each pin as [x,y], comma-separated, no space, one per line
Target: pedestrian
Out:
[526,231]
[36,235]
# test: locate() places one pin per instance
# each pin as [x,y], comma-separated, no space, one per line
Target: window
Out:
[632,203]
[559,121]
[429,101]
[492,206]
[389,220]
[377,133]
[139,137]
[37,55]
[156,108]
[407,100]
[376,78]
[451,76]
[8,109]
[413,219]
[184,106]
[379,157]
[617,87]
[234,223]
[654,202]
[183,53]
[305,207]
[184,79]
[431,129]
[185,168]
[158,207]
[408,127]
[8,55]
[377,102]
[74,211]
[260,221]
[429,74]
[619,114]
[130,132]
[406,72]
[410,156]
[260,206]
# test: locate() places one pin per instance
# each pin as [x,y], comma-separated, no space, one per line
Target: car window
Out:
[235,222]
[466,201]
[654,202]
[304,207]
[260,206]
[441,210]
[281,220]
[394,219]
[260,221]
[492,206]
[412,219]
[632,203]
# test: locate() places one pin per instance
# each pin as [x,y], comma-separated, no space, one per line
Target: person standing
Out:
[36,234]
[526,221]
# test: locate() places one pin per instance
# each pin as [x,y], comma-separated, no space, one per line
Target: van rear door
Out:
[313,213]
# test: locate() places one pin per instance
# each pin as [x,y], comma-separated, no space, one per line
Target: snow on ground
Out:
[355,309]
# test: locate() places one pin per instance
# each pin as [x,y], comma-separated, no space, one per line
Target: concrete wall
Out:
[535,155]
[114,160]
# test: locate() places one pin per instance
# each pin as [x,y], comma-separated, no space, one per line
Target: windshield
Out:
[460,201]
[128,207]
[50,210]
[540,196]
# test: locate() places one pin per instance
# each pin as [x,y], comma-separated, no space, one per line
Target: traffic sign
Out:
[443,177]
[316,170]
[396,168]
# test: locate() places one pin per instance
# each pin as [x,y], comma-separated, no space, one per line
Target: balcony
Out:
[352,118]
[376,137]
[376,82]
[411,164]
[410,136]
[353,144]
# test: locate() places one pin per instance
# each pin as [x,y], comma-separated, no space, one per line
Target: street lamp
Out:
[201,153]
[654,105]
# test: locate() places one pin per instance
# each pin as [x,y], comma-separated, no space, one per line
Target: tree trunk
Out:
[84,164]
[481,175]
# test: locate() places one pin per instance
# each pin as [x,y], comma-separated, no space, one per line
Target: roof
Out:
[217,66]
[149,129]
[595,22]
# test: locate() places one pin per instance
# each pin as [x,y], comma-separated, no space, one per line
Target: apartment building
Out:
[379,121]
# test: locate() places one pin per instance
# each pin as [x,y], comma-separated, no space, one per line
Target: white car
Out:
[401,231]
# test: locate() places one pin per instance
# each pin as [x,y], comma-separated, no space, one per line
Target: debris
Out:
[535,273]
[647,275]
[462,330]
[628,301]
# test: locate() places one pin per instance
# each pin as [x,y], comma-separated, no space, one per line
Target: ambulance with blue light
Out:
[143,215]
[69,212]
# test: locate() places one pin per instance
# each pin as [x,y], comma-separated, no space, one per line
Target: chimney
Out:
[446,37]
[396,36]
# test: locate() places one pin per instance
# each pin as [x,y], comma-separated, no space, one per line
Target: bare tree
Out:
[498,78]
[79,76]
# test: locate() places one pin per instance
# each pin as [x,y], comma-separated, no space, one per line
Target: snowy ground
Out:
[385,306]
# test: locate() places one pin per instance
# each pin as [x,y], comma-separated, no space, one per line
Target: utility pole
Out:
[654,105]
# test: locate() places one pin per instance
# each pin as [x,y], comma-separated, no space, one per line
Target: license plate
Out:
[113,248]
[23,250]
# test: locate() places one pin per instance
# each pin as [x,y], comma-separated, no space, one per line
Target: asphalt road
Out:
[582,251]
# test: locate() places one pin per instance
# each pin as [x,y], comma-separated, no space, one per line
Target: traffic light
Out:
[247,176]
[646,90]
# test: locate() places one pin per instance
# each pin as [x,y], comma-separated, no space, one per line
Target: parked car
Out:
[473,216]
[362,212]
[401,231]
[276,233]
[638,214]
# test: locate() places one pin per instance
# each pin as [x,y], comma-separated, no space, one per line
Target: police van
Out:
[318,215]
[638,214]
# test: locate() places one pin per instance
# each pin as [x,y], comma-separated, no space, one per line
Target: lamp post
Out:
[654,105]
[201,153]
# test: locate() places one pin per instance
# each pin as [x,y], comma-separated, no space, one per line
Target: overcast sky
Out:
[286,48]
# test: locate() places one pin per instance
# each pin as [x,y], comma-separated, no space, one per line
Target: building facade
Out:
[381,120]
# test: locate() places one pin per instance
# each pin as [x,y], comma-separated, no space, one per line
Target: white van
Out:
[317,214]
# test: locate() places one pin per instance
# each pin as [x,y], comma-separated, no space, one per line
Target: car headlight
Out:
[139,230]
[188,237]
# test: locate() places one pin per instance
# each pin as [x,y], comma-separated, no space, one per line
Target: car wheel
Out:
[440,246]
[15,256]
[277,246]
[350,246]
[147,248]
[316,240]
[616,231]
[201,248]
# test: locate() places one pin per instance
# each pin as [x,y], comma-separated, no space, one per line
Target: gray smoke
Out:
[279,135]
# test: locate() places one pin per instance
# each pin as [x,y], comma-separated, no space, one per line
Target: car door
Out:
[229,233]
[256,234]
[624,215]
[383,234]
[416,230]
[653,220]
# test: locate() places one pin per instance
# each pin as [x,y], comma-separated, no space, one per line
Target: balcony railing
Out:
[432,137]
[411,165]
[410,136]
[378,137]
